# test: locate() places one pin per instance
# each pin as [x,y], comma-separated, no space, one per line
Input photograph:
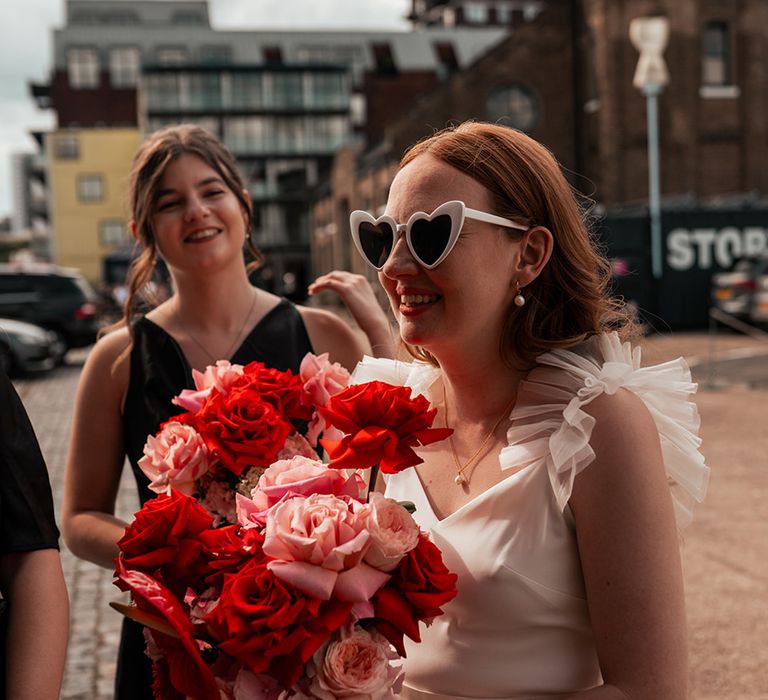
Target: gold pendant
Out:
[460,480]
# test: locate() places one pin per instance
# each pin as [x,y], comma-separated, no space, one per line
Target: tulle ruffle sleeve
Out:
[419,376]
[549,424]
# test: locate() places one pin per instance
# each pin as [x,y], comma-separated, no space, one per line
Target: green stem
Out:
[372,480]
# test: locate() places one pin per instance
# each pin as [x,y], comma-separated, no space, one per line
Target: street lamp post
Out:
[649,35]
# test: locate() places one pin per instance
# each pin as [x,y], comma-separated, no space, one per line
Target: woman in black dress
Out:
[188,205]
[35,608]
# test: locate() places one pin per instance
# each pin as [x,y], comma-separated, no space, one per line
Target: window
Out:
[273,55]
[215,55]
[90,188]
[204,90]
[246,90]
[716,59]
[515,106]
[288,90]
[171,56]
[446,58]
[162,90]
[112,232]
[66,146]
[475,13]
[383,58]
[83,68]
[124,67]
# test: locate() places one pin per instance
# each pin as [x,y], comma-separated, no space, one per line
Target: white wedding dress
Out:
[519,626]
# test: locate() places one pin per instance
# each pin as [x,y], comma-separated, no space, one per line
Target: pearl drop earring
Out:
[519,298]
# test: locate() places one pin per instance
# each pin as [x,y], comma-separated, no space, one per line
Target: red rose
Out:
[187,671]
[419,587]
[269,627]
[227,548]
[164,540]
[283,389]
[241,428]
[383,424]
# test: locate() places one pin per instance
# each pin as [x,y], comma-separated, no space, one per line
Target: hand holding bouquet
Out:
[260,571]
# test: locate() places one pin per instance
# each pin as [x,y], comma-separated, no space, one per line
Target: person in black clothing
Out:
[189,205]
[35,607]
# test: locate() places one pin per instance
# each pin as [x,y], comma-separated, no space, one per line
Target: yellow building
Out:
[88,180]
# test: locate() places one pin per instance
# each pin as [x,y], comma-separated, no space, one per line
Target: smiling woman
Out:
[189,206]
[551,499]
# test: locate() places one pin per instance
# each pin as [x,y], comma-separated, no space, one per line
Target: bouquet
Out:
[261,571]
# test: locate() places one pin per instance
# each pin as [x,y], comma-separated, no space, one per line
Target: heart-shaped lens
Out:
[376,241]
[430,238]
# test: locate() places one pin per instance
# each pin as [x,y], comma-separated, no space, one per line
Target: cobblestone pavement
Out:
[725,551]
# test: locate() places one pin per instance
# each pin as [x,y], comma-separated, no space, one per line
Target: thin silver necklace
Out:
[232,347]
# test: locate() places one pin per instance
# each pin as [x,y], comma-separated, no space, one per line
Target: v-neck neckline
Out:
[177,346]
[453,515]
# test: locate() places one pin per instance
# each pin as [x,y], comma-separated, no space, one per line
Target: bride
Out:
[556,498]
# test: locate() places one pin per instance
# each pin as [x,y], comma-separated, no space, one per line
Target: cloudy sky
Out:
[25,51]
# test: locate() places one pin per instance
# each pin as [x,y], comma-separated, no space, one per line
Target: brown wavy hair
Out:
[570,300]
[154,155]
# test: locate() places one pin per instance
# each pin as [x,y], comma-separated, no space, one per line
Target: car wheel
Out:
[60,351]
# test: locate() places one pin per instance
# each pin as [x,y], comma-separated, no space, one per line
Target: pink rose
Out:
[219,376]
[322,378]
[297,476]
[393,531]
[255,686]
[177,456]
[356,664]
[317,545]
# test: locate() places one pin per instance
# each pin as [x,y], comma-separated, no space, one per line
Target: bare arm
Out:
[356,293]
[630,557]
[328,333]
[38,623]
[96,454]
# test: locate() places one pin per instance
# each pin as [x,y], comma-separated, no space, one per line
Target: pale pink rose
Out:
[255,686]
[176,457]
[355,664]
[219,376]
[394,532]
[318,544]
[300,476]
[322,378]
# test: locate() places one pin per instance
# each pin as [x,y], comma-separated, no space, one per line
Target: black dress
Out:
[27,520]
[158,372]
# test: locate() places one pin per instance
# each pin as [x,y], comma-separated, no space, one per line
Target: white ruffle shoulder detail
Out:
[549,422]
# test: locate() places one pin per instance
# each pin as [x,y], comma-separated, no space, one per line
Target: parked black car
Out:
[26,348]
[56,298]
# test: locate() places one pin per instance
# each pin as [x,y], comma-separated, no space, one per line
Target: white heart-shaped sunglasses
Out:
[430,237]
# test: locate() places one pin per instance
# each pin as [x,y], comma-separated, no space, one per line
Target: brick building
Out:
[564,76]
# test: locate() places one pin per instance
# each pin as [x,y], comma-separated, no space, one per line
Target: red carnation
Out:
[419,587]
[383,425]
[164,540]
[269,627]
[241,428]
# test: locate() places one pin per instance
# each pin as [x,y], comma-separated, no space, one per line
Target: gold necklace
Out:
[232,347]
[460,479]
